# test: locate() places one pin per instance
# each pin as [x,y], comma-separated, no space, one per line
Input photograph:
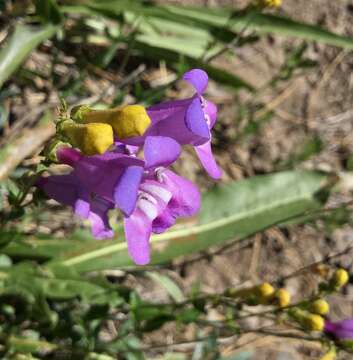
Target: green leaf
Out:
[229,212]
[60,283]
[168,284]
[262,23]
[24,345]
[19,46]
[174,58]
[188,316]
[48,11]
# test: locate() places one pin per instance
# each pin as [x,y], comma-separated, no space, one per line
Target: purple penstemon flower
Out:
[150,197]
[67,190]
[163,197]
[181,122]
[96,185]
[341,330]
[112,176]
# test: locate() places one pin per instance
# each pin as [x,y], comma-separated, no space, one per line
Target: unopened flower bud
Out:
[91,139]
[339,278]
[314,322]
[330,355]
[268,3]
[265,290]
[282,297]
[309,321]
[260,294]
[320,307]
[127,121]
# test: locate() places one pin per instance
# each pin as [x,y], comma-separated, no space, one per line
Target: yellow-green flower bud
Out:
[313,322]
[339,278]
[320,307]
[309,321]
[330,355]
[260,294]
[264,291]
[127,121]
[282,297]
[268,3]
[91,139]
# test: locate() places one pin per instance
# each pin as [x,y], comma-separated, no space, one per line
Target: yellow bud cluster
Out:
[127,121]
[256,294]
[268,3]
[92,131]
[264,294]
[91,139]
[339,278]
[320,307]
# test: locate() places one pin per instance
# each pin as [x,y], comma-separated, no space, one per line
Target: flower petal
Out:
[98,217]
[62,188]
[198,79]
[195,121]
[204,153]
[100,174]
[126,190]
[67,190]
[163,222]
[160,151]
[138,231]
[186,196]
[211,111]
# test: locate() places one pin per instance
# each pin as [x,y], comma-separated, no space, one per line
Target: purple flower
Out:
[163,197]
[150,199]
[342,330]
[96,184]
[181,122]
[67,190]
[112,176]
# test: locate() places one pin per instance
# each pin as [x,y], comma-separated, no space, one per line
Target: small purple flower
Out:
[112,176]
[163,197]
[181,122]
[96,185]
[341,330]
[67,190]
[151,199]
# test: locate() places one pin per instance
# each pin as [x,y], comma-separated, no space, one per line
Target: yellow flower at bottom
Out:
[331,355]
[283,297]
[311,322]
[269,3]
[265,290]
[314,322]
[126,121]
[91,139]
[339,278]
[320,307]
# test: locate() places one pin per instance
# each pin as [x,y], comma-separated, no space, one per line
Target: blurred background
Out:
[284,92]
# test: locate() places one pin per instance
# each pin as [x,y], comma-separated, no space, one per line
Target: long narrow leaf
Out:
[262,23]
[20,44]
